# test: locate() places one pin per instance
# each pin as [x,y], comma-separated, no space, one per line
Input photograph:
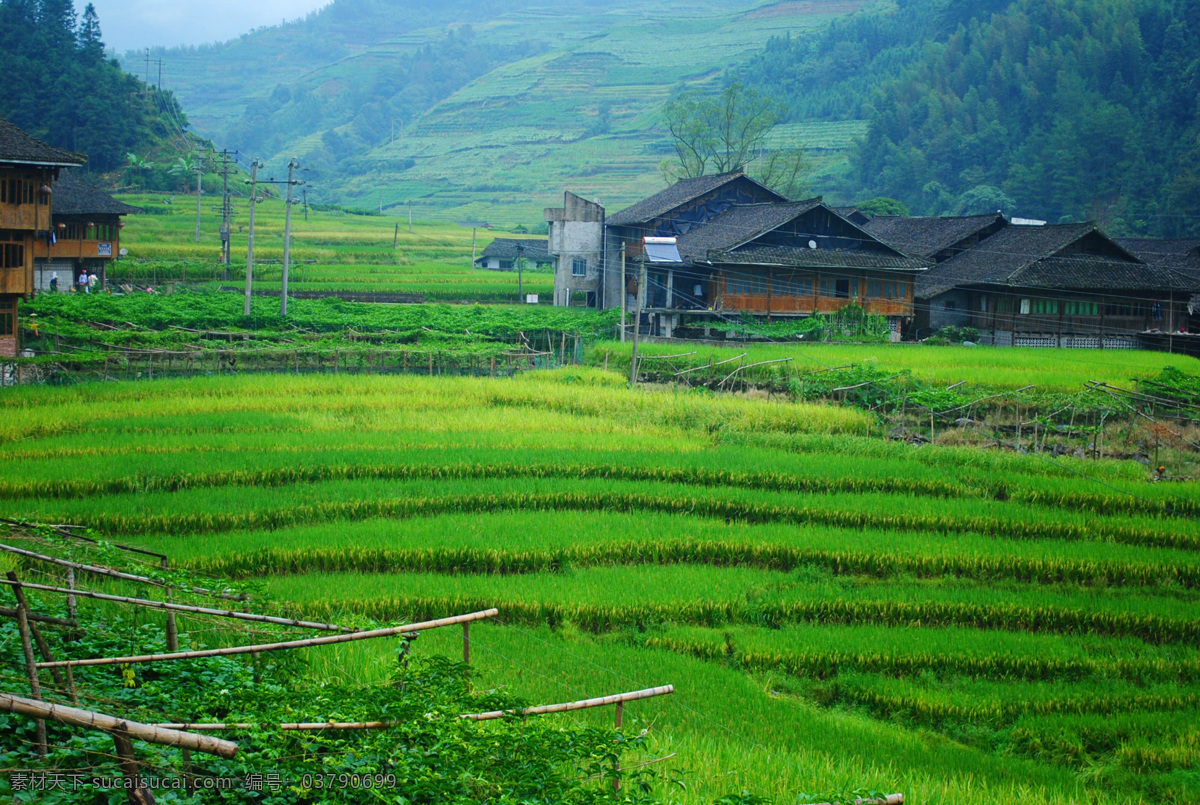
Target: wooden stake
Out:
[72,604]
[467,643]
[312,641]
[30,663]
[138,794]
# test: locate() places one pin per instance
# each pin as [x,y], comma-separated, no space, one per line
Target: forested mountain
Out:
[1067,110]
[56,84]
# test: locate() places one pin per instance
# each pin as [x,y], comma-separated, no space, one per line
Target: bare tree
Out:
[729,132]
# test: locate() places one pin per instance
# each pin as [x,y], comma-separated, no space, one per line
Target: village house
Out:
[85,233]
[1065,285]
[28,169]
[714,247]
[502,254]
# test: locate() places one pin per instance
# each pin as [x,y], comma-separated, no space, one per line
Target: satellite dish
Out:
[812,244]
[124,252]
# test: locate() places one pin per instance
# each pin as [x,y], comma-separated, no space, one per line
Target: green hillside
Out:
[551,96]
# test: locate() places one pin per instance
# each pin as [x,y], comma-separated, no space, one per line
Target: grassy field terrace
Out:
[332,251]
[835,610]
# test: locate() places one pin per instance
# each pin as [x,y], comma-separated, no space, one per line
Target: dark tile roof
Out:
[819,258]
[676,195]
[728,239]
[852,214]
[1178,253]
[17,146]
[738,224]
[506,248]
[1030,257]
[928,236]
[74,195]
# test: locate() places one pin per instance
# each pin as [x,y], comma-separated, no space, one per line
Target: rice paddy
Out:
[836,611]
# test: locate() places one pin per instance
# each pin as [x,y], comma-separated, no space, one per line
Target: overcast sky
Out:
[132,24]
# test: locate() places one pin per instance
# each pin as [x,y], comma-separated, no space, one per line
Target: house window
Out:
[746,284]
[506,264]
[950,304]
[1044,307]
[12,249]
[578,268]
[16,191]
[1024,307]
[1123,309]
[792,286]
[1081,308]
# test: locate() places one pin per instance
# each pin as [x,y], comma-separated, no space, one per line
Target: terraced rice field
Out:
[835,611]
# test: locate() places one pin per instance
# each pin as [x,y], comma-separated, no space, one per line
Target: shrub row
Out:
[284,561]
[599,618]
[200,522]
[826,664]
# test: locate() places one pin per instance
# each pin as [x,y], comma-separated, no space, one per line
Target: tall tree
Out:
[727,132]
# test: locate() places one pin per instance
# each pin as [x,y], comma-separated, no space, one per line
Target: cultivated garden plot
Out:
[836,610]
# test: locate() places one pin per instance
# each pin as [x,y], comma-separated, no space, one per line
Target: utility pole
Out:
[199,193]
[250,239]
[287,238]
[225,211]
[410,218]
[637,321]
[624,293]
[520,283]
[304,193]
[473,248]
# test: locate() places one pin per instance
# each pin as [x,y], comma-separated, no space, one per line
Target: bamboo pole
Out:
[35,686]
[619,699]
[44,650]
[312,641]
[149,733]
[221,613]
[601,701]
[107,571]
[33,616]
[64,530]
[42,619]
[749,365]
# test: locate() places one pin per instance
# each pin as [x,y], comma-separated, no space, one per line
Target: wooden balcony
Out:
[806,305]
[75,249]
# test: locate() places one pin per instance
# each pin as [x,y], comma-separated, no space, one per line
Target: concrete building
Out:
[577,241]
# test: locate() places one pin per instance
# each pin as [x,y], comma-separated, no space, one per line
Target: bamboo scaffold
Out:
[290,644]
[221,613]
[544,709]
[150,733]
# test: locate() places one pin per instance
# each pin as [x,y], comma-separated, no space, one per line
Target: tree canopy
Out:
[729,131]
[59,87]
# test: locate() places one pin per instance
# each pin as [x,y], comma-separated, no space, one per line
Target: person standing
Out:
[54,282]
[93,278]
[83,279]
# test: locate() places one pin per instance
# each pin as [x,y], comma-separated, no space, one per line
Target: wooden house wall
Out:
[823,297]
[24,210]
[1079,313]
